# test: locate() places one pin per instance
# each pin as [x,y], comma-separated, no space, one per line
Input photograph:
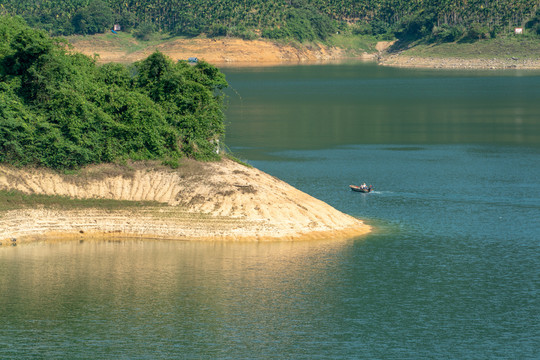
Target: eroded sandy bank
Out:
[201,201]
[223,51]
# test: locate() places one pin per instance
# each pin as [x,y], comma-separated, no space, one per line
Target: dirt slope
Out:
[216,51]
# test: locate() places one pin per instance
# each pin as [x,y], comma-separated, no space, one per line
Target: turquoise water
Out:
[452,269]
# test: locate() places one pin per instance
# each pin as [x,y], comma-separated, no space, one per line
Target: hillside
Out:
[302,20]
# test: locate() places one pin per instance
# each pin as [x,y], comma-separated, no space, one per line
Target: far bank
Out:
[219,51]
[484,54]
[491,54]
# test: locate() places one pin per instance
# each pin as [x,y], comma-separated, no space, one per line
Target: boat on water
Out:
[362,189]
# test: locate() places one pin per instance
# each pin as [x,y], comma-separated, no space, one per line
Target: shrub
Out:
[534,24]
[144,32]
[362,29]
[217,30]
[416,25]
[477,31]
[302,24]
[276,33]
[242,33]
[447,33]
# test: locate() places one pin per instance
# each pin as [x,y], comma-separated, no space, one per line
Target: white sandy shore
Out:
[204,201]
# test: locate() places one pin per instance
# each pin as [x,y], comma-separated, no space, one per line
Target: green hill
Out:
[60,110]
[304,20]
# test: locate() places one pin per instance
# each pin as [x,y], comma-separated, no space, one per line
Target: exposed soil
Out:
[206,201]
[235,52]
[216,51]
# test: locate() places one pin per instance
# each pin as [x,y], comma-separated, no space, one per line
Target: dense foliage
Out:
[444,20]
[60,110]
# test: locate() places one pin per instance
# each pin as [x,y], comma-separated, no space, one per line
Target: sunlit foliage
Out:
[59,109]
[298,19]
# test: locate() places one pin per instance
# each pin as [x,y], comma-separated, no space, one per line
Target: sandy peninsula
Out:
[198,201]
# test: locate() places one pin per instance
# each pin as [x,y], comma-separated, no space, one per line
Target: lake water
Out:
[452,269]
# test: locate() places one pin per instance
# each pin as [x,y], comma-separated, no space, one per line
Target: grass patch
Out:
[15,200]
[500,48]
[123,41]
[354,43]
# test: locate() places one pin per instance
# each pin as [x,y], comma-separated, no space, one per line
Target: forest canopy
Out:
[59,109]
[303,20]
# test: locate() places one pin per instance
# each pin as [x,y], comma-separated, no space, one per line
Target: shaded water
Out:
[325,106]
[452,270]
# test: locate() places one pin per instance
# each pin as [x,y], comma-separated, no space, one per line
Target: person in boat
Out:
[363,186]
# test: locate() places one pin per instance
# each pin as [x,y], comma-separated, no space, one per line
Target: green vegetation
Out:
[354,43]
[95,18]
[60,110]
[302,20]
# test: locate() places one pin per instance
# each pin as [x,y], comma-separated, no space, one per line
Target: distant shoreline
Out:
[407,61]
[233,52]
[223,51]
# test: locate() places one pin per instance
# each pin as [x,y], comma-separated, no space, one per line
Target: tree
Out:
[61,110]
[95,18]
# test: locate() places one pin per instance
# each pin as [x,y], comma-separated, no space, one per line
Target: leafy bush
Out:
[534,23]
[216,30]
[144,32]
[362,28]
[416,25]
[379,27]
[62,111]
[242,33]
[477,31]
[322,25]
[447,33]
[276,33]
[302,24]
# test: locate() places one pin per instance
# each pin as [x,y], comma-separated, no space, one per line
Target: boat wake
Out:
[382,192]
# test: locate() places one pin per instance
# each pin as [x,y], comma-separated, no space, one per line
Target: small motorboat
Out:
[361,189]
